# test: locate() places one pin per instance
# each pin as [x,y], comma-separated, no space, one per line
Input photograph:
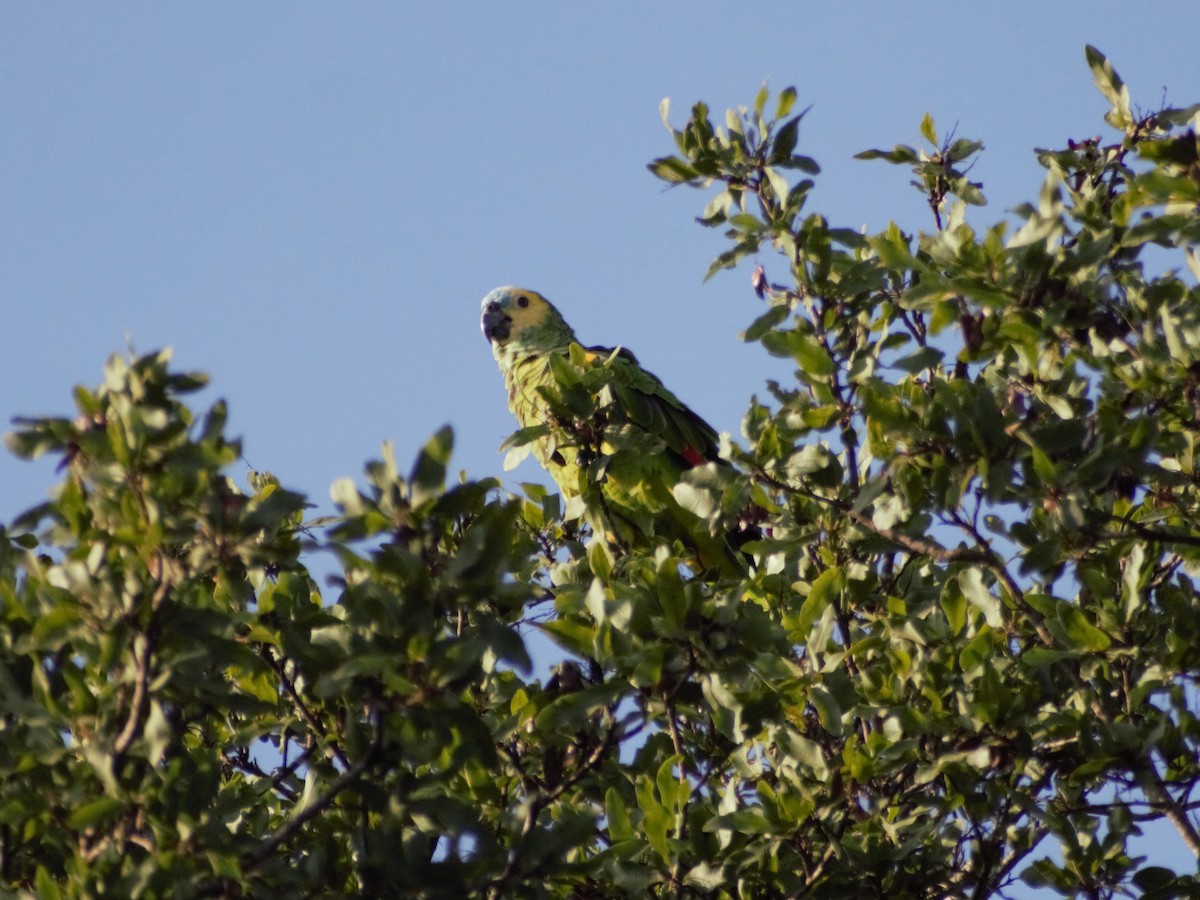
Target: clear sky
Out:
[307,201]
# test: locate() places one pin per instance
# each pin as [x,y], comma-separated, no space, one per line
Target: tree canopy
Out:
[965,658]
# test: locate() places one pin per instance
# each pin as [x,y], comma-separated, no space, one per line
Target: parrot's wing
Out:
[647,404]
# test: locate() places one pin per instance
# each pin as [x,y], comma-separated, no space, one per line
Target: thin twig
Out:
[141,700]
[1151,534]
[143,652]
[913,543]
[290,828]
[300,706]
[1174,812]
[535,805]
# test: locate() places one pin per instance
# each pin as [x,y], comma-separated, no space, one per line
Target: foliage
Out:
[967,654]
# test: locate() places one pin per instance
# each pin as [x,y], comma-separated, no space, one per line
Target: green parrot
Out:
[612,436]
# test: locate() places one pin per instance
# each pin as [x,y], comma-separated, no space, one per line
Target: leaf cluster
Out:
[966,654]
[987,526]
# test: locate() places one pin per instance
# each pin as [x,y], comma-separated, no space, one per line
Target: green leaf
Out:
[53,628]
[1156,878]
[748,821]
[765,323]
[45,886]
[95,814]
[673,169]
[954,605]
[932,292]
[785,102]
[805,164]
[829,712]
[925,358]
[697,497]
[656,820]
[600,558]
[1081,634]
[760,99]
[779,184]
[978,651]
[620,826]
[1111,86]
[1131,578]
[729,258]
[927,130]
[898,155]
[804,349]
[963,149]
[523,437]
[429,472]
[671,596]
[983,292]
[158,733]
[892,248]
[1043,467]
[970,581]
[821,592]
[785,141]
[574,637]
[727,709]
[706,877]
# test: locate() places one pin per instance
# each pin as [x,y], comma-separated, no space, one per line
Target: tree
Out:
[972,632]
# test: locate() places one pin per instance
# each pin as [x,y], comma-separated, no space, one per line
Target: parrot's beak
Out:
[495,322]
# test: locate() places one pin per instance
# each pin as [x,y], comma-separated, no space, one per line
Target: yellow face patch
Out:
[526,309]
[511,312]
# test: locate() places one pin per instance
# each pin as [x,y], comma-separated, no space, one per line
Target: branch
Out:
[1175,812]
[1009,862]
[588,763]
[1152,534]
[981,554]
[243,763]
[830,852]
[994,564]
[301,707]
[1129,806]
[289,829]
[141,700]
[143,651]
[915,325]
[496,889]
[1164,571]
[913,543]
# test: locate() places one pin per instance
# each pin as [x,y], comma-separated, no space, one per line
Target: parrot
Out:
[615,440]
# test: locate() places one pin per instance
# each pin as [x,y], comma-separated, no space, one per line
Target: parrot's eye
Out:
[522,302]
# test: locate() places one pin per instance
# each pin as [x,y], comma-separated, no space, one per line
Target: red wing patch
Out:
[693,457]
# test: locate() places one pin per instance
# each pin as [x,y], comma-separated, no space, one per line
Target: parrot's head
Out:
[515,319]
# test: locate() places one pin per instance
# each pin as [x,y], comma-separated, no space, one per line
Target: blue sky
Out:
[308,201]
